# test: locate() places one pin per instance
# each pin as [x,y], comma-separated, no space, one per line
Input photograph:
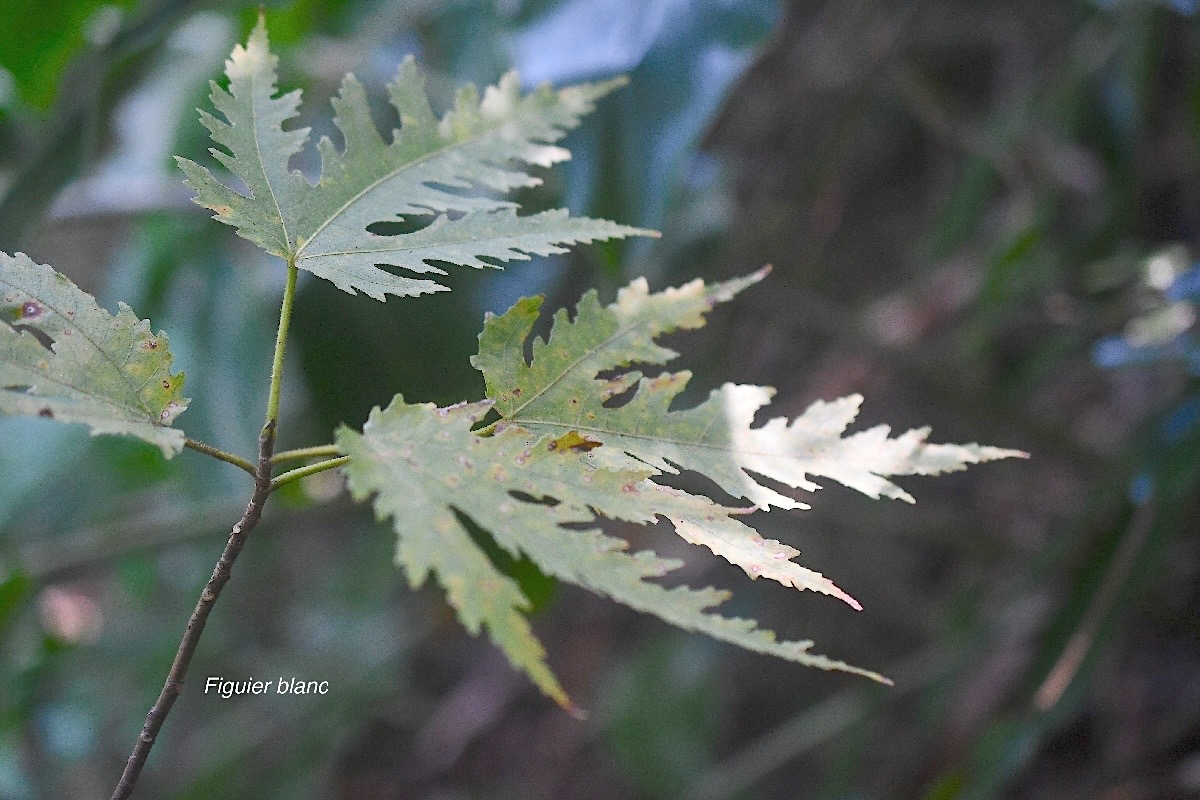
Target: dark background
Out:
[981,215]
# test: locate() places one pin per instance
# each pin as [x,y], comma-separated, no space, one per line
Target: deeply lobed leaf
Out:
[558,456]
[559,390]
[110,373]
[424,467]
[430,167]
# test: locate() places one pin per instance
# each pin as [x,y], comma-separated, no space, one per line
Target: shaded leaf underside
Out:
[559,456]
[421,464]
[108,372]
[559,390]
[431,166]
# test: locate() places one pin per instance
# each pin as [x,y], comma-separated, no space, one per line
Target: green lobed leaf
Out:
[430,167]
[424,466]
[111,373]
[559,390]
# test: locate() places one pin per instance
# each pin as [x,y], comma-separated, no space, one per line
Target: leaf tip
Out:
[260,26]
[842,595]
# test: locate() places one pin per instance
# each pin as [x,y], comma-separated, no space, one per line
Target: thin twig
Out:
[320,451]
[922,102]
[812,727]
[224,568]
[1081,641]
[195,627]
[221,455]
[285,320]
[311,469]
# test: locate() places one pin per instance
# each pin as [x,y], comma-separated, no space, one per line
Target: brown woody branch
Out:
[195,627]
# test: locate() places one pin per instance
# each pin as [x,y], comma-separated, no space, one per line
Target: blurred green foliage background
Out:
[982,216]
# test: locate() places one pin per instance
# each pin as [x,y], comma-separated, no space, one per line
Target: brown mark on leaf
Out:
[612,387]
[665,381]
[574,441]
[31,310]
[46,412]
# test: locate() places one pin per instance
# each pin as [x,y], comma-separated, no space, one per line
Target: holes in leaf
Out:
[487,419]
[399,226]
[535,585]
[697,483]
[42,337]
[550,502]
[428,266]
[788,491]
[621,396]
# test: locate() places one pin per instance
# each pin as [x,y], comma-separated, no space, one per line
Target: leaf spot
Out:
[31,310]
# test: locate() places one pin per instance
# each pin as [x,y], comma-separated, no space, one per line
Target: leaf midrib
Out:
[648,438]
[393,173]
[554,238]
[621,332]
[262,163]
